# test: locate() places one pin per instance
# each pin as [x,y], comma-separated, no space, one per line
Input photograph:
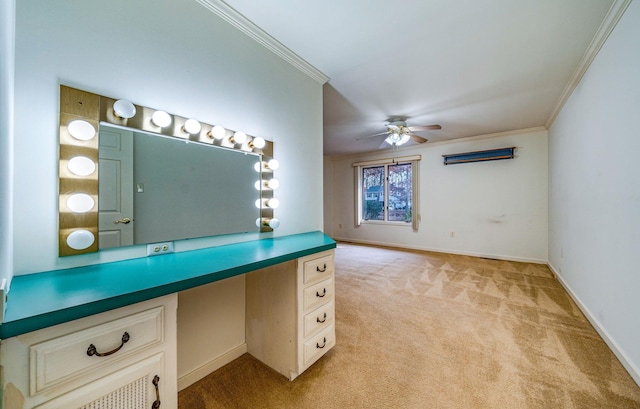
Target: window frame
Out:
[360,194]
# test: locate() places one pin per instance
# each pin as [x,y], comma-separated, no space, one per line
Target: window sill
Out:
[383,223]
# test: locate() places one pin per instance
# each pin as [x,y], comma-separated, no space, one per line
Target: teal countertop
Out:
[45,299]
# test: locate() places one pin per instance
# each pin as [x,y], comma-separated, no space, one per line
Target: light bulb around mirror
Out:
[273,164]
[273,203]
[258,143]
[258,167]
[124,109]
[80,239]
[80,202]
[217,132]
[274,223]
[161,119]
[81,130]
[81,166]
[273,184]
[260,203]
[259,184]
[239,137]
[192,127]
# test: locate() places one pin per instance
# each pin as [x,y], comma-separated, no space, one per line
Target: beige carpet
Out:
[430,330]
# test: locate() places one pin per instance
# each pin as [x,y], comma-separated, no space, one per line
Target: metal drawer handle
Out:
[324,292]
[156,404]
[324,343]
[323,318]
[93,351]
[324,268]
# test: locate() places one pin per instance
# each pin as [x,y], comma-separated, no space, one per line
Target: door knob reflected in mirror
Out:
[126,220]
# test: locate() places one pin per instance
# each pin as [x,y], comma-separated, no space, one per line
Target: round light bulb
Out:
[393,139]
[80,203]
[273,164]
[191,126]
[273,203]
[161,119]
[80,239]
[259,184]
[239,137]
[260,203]
[81,166]
[259,222]
[258,143]
[258,166]
[403,139]
[274,223]
[124,109]
[273,184]
[218,132]
[81,130]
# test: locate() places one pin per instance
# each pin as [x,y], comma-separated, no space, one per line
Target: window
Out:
[386,191]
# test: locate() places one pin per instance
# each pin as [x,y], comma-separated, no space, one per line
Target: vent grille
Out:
[479,156]
[131,396]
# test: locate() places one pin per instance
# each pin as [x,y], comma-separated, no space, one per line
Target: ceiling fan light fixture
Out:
[404,138]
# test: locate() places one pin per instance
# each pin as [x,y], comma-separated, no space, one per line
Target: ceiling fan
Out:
[399,133]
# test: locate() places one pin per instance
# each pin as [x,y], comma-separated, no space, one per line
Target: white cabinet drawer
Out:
[58,361]
[317,294]
[316,346]
[318,319]
[318,268]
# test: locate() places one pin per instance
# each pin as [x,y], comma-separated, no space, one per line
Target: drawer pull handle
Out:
[324,268]
[324,343]
[324,292]
[324,318]
[93,351]
[156,404]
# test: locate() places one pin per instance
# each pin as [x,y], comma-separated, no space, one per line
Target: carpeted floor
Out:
[431,330]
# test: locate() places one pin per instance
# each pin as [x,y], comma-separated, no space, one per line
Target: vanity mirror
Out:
[135,175]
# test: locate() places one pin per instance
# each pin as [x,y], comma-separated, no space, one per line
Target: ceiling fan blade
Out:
[425,128]
[371,136]
[384,144]
[417,138]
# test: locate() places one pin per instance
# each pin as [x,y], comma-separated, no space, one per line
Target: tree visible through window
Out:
[387,193]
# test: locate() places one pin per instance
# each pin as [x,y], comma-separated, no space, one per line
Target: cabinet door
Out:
[137,386]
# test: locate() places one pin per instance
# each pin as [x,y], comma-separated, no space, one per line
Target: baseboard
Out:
[446,251]
[613,345]
[211,366]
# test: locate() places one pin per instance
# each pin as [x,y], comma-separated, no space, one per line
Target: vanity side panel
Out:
[271,316]
[211,329]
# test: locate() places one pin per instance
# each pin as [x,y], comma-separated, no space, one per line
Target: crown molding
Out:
[231,16]
[608,24]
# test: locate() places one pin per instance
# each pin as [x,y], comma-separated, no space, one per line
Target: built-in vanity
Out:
[106,334]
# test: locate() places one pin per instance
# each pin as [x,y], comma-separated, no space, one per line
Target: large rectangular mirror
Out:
[131,175]
[154,188]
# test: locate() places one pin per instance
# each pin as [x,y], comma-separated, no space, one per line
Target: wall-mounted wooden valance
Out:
[479,156]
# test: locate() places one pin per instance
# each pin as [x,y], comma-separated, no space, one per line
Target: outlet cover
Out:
[157,249]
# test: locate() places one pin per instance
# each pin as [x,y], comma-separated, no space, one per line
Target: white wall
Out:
[594,192]
[496,209]
[179,57]
[171,55]
[7,59]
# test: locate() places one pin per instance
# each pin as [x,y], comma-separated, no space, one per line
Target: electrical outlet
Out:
[156,249]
